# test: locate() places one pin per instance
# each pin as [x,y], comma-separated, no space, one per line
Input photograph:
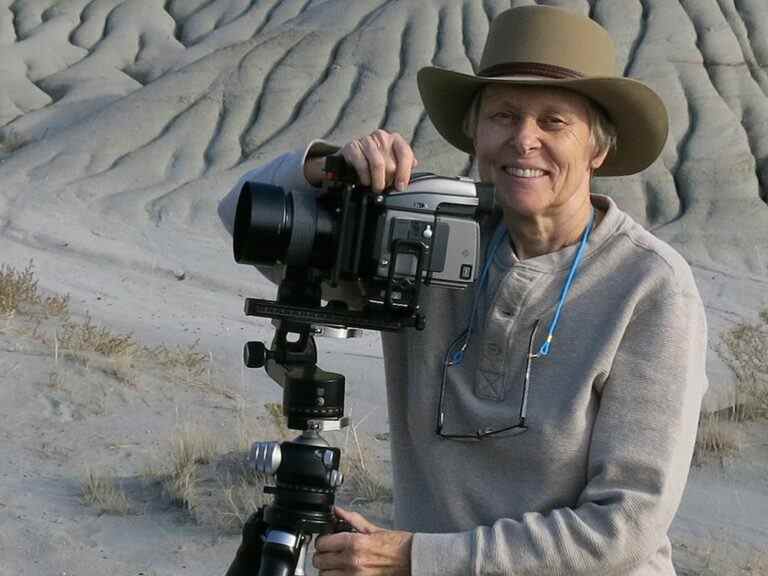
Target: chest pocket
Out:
[490,376]
[501,362]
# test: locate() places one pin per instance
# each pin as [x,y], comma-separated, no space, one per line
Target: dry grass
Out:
[122,356]
[718,437]
[96,346]
[190,448]
[364,480]
[242,499]
[242,492]
[104,494]
[19,293]
[218,490]
[87,343]
[745,350]
[188,359]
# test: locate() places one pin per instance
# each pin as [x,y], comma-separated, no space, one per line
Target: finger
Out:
[376,163]
[329,561]
[354,155]
[333,542]
[384,141]
[405,161]
[358,521]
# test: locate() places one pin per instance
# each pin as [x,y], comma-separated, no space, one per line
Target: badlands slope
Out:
[124,122]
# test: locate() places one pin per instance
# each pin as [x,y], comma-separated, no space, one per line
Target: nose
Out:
[524,136]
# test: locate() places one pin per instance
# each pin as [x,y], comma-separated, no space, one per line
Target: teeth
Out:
[525,172]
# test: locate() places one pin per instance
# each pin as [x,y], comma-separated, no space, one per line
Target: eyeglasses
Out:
[454,358]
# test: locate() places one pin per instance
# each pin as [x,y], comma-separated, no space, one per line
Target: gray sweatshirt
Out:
[593,484]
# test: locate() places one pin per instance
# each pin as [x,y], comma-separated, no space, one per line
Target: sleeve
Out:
[638,462]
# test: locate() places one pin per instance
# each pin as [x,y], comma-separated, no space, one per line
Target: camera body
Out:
[388,244]
[440,213]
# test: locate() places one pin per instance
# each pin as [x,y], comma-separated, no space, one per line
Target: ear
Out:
[598,159]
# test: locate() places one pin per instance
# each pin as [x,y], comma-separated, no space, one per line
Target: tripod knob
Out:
[335,478]
[266,457]
[255,354]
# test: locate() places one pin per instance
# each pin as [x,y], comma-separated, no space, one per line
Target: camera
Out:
[388,244]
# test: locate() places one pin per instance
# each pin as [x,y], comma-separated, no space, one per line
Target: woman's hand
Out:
[381,159]
[370,551]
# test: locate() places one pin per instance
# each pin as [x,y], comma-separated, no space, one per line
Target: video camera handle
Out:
[275,557]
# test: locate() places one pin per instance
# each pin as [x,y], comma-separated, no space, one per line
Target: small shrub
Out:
[188,358]
[19,293]
[243,495]
[81,340]
[746,352]
[102,492]
[98,347]
[182,486]
[190,448]
[716,438]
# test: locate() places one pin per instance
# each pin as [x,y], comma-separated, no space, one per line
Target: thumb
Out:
[357,521]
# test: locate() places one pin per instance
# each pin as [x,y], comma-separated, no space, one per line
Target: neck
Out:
[543,234]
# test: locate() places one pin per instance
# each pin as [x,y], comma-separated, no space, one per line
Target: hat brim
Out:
[636,111]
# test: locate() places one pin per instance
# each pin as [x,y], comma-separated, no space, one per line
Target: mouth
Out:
[523,172]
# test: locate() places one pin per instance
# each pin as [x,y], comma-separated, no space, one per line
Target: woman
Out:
[567,383]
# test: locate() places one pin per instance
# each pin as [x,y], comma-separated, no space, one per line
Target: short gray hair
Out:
[602,130]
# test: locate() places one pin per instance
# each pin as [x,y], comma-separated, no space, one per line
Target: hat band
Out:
[531,69]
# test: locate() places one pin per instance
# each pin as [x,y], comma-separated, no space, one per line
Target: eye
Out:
[554,121]
[501,115]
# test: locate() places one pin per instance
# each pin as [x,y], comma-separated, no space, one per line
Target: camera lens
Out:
[273,226]
[262,224]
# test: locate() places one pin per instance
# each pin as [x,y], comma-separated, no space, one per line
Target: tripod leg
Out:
[248,557]
[301,564]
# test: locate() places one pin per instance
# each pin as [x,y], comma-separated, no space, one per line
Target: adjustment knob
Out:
[335,478]
[266,457]
[254,354]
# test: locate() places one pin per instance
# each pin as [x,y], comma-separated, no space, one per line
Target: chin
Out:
[524,204]
[522,210]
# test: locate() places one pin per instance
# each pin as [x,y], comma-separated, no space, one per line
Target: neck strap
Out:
[544,350]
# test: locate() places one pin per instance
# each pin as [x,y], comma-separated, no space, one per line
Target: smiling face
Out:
[534,144]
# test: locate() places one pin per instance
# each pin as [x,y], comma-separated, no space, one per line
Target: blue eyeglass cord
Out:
[457,357]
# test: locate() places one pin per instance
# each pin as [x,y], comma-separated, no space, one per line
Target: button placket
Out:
[493,369]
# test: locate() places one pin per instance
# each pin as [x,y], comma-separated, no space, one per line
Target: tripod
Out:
[306,470]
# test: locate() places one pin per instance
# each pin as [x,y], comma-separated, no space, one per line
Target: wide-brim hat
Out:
[545,46]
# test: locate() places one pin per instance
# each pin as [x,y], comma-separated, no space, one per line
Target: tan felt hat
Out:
[545,46]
